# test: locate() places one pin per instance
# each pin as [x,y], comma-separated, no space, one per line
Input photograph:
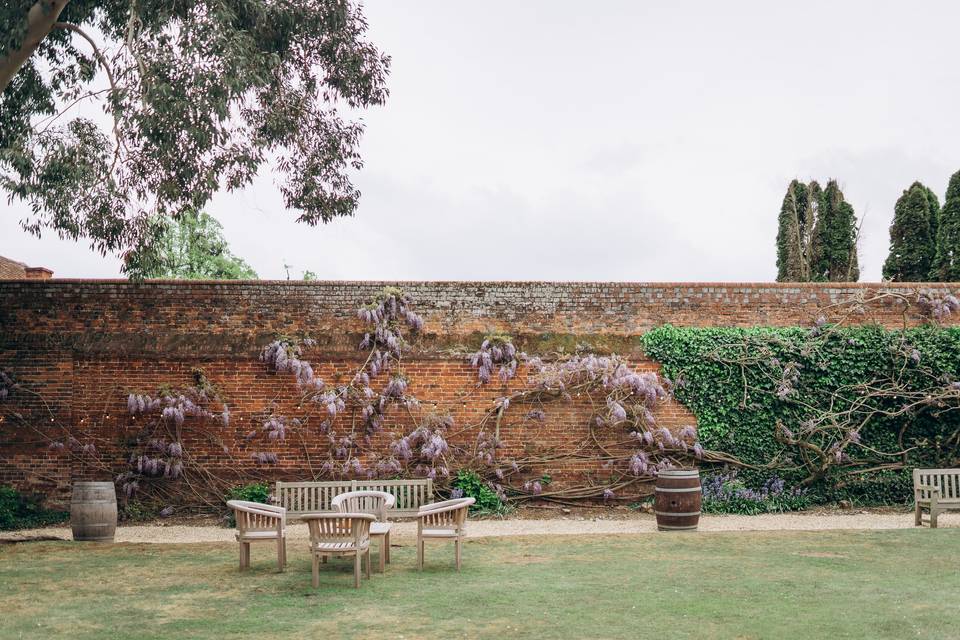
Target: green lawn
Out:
[879,584]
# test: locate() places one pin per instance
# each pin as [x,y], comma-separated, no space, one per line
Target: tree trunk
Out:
[40,19]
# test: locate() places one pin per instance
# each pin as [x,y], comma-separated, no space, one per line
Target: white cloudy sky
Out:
[611,141]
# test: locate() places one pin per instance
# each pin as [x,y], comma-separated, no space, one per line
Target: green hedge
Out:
[22,512]
[728,377]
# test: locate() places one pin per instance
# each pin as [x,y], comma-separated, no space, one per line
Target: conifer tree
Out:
[946,266]
[835,238]
[912,240]
[794,235]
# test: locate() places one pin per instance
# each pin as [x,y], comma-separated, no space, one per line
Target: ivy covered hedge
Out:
[846,412]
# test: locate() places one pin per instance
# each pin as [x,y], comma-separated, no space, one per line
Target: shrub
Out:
[22,512]
[469,484]
[725,493]
[253,492]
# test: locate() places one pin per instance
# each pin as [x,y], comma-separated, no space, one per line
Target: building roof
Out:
[13,270]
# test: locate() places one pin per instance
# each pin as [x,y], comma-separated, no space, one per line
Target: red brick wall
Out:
[79,347]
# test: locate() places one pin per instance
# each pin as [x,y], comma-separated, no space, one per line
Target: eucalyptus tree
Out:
[197,98]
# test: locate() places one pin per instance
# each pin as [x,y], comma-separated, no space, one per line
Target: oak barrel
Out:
[93,511]
[677,500]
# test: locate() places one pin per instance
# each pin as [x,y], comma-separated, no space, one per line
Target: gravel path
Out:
[641,523]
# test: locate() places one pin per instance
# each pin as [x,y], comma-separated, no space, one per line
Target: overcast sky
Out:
[610,141]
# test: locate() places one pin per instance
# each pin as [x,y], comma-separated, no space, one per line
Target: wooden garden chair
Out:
[258,522]
[376,503]
[339,534]
[445,521]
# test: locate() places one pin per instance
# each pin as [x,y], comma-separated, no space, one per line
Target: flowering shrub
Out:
[724,493]
[470,484]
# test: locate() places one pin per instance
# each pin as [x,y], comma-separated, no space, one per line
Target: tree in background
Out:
[913,236]
[817,235]
[946,266]
[193,248]
[835,237]
[795,232]
[199,95]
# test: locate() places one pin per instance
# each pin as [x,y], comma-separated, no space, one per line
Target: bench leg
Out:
[458,552]
[933,517]
[387,547]
[420,554]
[316,571]
[356,569]
[917,515]
[280,561]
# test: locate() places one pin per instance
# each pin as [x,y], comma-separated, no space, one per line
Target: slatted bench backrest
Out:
[314,497]
[947,480]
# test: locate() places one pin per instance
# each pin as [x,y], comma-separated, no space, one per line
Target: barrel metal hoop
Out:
[683,490]
[678,514]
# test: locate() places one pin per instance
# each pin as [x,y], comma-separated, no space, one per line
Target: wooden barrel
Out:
[677,501]
[93,511]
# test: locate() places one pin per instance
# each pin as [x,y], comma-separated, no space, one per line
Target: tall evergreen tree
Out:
[835,238]
[788,237]
[946,266]
[795,232]
[934,223]
[912,240]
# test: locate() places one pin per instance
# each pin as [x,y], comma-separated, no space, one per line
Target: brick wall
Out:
[78,347]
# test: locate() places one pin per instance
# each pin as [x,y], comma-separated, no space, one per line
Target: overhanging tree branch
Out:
[40,20]
[93,45]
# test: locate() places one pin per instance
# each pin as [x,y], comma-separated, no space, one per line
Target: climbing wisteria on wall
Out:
[348,412]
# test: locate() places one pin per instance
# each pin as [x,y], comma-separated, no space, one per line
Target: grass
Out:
[878,584]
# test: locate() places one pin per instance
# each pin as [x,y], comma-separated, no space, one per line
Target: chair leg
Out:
[918,515]
[284,552]
[245,555]
[242,566]
[367,556]
[280,561]
[457,545]
[383,553]
[387,546]
[316,571]
[420,554]
[356,570]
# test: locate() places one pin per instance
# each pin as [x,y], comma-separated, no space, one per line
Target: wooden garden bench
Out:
[936,490]
[300,498]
